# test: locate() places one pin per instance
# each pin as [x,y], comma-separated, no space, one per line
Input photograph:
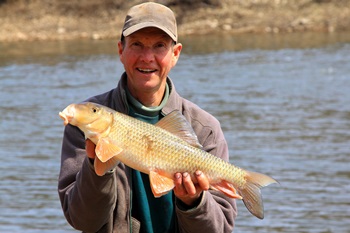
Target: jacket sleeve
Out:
[87,200]
[215,212]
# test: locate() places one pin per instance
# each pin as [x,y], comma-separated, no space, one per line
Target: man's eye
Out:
[160,48]
[160,45]
[136,44]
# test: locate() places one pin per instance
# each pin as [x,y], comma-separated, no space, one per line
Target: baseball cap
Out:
[150,14]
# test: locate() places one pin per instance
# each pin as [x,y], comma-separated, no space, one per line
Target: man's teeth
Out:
[146,70]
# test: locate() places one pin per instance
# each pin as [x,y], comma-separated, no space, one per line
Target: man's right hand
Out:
[90,149]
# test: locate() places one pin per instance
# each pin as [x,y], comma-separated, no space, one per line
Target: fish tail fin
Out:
[251,192]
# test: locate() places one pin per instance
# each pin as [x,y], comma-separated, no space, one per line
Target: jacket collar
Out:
[120,103]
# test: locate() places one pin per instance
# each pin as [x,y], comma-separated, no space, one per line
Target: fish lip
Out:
[66,117]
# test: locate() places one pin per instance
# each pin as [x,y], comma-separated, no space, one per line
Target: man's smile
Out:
[146,70]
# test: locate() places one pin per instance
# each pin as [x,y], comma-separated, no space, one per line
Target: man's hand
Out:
[90,149]
[189,191]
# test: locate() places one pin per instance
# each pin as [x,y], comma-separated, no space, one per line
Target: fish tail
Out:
[251,194]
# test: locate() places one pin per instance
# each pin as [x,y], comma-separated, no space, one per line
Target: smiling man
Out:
[148,56]
[122,200]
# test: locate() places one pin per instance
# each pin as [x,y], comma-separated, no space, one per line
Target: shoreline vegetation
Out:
[30,20]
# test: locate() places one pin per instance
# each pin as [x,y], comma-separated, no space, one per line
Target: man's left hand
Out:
[189,191]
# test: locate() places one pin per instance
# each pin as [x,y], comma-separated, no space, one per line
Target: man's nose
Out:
[147,54]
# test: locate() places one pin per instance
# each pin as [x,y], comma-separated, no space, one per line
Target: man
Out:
[121,200]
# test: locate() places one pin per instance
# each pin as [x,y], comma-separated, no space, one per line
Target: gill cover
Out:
[93,119]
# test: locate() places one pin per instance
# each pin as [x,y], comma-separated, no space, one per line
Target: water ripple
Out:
[284,113]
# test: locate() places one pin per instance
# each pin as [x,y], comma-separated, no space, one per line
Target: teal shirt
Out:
[156,215]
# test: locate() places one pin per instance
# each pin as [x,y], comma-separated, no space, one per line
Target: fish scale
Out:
[150,150]
[161,150]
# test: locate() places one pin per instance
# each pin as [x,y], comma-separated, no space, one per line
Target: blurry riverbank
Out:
[60,20]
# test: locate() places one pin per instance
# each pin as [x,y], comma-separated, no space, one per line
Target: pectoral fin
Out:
[106,149]
[160,185]
[226,188]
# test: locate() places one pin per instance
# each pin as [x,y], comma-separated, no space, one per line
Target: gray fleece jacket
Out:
[102,204]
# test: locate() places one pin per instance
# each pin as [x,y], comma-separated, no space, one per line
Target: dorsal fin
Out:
[177,124]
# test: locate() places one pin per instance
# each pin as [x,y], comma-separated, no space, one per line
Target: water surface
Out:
[283,103]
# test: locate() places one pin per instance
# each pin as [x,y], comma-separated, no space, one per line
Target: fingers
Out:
[179,188]
[188,184]
[90,149]
[202,180]
[187,190]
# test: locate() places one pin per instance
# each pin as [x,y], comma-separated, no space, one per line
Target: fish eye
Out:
[94,110]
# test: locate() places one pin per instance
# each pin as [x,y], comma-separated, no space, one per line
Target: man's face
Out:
[148,56]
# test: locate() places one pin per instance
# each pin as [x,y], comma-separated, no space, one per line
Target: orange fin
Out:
[101,168]
[106,149]
[177,124]
[251,192]
[160,185]
[226,188]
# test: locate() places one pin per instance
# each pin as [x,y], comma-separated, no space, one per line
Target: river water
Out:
[283,102]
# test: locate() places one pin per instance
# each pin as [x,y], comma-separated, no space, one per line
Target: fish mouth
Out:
[66,116]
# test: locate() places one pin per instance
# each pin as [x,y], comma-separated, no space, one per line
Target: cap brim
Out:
[140,26]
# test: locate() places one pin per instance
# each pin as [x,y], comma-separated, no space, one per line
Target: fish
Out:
[161,150]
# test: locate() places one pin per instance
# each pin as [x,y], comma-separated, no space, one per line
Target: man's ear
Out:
[176,53]
[120,50]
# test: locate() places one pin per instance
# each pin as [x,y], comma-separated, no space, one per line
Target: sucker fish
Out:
[161,150]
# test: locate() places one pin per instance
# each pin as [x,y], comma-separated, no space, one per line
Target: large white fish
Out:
[161,150]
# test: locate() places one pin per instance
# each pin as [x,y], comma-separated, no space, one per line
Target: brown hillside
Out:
[55,19]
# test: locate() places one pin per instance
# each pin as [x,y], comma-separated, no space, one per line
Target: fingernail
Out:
[177,176]
[185,174]
[198,173]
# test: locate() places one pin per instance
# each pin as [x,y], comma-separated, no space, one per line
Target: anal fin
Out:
[227,189]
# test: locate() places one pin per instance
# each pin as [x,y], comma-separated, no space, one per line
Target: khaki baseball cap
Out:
[150,14]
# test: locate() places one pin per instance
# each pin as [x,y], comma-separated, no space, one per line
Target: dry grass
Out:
[43,20]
